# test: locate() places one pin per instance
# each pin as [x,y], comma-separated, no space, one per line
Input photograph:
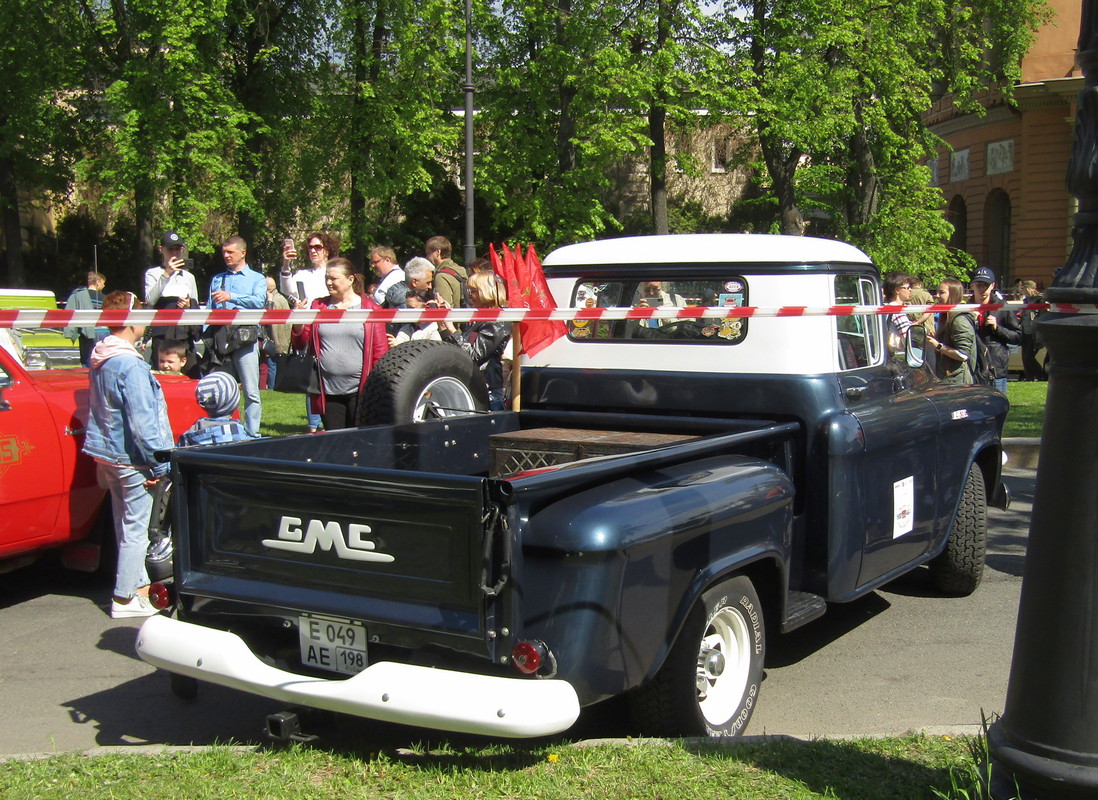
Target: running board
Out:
[801,608]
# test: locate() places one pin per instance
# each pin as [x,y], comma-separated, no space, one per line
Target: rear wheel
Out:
[959,568]
[710,682]
[419,381]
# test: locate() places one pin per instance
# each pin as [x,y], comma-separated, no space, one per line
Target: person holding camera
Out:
[172,285]
[173,277]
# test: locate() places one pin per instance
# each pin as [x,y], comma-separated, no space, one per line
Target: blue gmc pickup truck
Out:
[672,493]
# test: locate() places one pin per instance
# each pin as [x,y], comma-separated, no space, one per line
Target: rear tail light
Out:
[528,656]
[160,595]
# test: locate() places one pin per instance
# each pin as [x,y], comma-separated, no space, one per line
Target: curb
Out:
[1022,451]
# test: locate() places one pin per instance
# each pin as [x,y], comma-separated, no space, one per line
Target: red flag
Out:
[538,335]
[506,270]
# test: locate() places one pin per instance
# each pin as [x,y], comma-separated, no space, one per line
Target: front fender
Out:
[610,573]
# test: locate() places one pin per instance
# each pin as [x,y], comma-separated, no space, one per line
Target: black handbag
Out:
[297,373]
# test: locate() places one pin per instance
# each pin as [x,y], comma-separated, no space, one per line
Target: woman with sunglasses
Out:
[320,247]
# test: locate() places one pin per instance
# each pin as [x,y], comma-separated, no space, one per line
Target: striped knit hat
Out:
[218,394]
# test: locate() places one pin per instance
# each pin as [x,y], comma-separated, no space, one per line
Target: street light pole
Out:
[1047,740]
[470,242]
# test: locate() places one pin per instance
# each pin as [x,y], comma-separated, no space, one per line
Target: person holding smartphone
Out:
[172,285]
[305,284]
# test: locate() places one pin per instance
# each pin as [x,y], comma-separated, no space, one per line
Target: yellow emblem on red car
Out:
[12,452]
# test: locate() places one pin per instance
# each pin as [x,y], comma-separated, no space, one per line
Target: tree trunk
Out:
[368,54]
[657,118]
[566,132]
[13,231]
[657,132]
[144,199]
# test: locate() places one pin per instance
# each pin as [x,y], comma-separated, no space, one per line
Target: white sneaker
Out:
[137,607]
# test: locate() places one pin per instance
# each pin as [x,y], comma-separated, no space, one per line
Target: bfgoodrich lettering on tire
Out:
[958,569]
[709,684]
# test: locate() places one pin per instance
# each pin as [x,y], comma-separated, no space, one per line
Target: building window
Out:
[1000,157]
[997,227]
[722,154]
[958,165]
[957,216]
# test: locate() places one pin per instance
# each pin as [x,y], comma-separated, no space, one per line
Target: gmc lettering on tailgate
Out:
[295,536]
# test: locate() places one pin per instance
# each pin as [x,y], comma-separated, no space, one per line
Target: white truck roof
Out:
[707,248]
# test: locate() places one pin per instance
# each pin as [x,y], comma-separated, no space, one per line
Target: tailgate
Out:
[397,550]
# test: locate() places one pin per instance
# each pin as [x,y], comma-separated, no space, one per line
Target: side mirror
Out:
[916,346]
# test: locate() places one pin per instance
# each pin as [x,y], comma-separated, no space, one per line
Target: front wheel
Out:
[709,684]
[959,568]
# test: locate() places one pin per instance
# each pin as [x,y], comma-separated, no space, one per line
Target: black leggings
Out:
[340,411]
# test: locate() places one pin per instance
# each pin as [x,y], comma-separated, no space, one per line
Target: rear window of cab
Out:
[648,293]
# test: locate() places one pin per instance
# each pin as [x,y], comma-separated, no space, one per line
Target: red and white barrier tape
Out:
[37,318]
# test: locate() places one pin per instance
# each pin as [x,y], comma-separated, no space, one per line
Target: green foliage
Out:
[276,117]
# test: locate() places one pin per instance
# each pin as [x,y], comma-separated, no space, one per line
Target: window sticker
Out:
[903,502]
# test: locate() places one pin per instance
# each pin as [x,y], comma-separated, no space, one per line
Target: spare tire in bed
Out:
[419,381]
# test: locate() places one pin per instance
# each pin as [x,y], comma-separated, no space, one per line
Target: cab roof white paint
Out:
[707,248]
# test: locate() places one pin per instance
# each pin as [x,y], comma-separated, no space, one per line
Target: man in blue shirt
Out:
[239,286]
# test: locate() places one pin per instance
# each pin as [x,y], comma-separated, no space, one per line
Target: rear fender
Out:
[610,573]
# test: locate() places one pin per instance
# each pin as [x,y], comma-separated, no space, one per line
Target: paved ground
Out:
[898,660]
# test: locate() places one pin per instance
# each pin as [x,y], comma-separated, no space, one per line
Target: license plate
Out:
[338,645]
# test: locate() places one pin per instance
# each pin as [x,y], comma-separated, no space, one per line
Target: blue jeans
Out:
[246,366]
[1001,384]
[131,503]
[312,420]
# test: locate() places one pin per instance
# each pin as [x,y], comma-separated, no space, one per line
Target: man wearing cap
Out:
[998,329]
[171,278]
[172,285]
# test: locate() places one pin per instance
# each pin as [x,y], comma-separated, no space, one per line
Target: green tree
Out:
[556,116]
[170,130]
[40,108]
[835,93]
[397,133]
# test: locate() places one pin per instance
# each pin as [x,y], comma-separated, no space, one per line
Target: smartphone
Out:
[301,291]
[287,244]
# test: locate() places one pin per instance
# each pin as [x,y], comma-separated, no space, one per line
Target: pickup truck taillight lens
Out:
[527,656]
[160,595]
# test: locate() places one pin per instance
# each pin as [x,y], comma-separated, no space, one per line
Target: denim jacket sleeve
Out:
[147,421]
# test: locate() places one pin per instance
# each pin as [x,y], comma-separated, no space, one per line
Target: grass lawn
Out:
[1027,408]
[912,767]
[284,414]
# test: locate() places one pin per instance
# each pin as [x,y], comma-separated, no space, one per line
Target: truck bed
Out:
[403,528]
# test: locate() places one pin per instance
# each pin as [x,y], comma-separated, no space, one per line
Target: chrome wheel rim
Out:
[443,398]
[723,664]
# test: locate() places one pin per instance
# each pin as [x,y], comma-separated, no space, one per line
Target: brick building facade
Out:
[1003,174]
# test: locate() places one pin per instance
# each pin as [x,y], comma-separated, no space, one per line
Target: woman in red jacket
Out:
[345,351]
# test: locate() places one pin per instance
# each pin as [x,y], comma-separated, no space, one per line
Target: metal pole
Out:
[1047,740]
[470,241]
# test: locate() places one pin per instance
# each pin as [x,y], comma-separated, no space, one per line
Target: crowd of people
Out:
[128,421]
[128,417]
[959,338]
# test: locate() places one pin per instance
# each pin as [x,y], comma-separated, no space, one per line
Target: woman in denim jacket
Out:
[127,423]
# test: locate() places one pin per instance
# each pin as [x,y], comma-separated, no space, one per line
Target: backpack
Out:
[461,279]
[982,372]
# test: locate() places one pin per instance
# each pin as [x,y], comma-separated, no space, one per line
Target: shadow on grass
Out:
[886,769]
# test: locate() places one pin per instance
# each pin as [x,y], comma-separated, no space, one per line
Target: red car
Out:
[49,495]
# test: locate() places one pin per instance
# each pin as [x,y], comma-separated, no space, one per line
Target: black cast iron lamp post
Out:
[1046,743]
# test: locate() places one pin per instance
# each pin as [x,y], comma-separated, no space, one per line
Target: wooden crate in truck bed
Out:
[519,451]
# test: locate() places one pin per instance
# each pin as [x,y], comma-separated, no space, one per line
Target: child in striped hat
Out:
[219,394]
